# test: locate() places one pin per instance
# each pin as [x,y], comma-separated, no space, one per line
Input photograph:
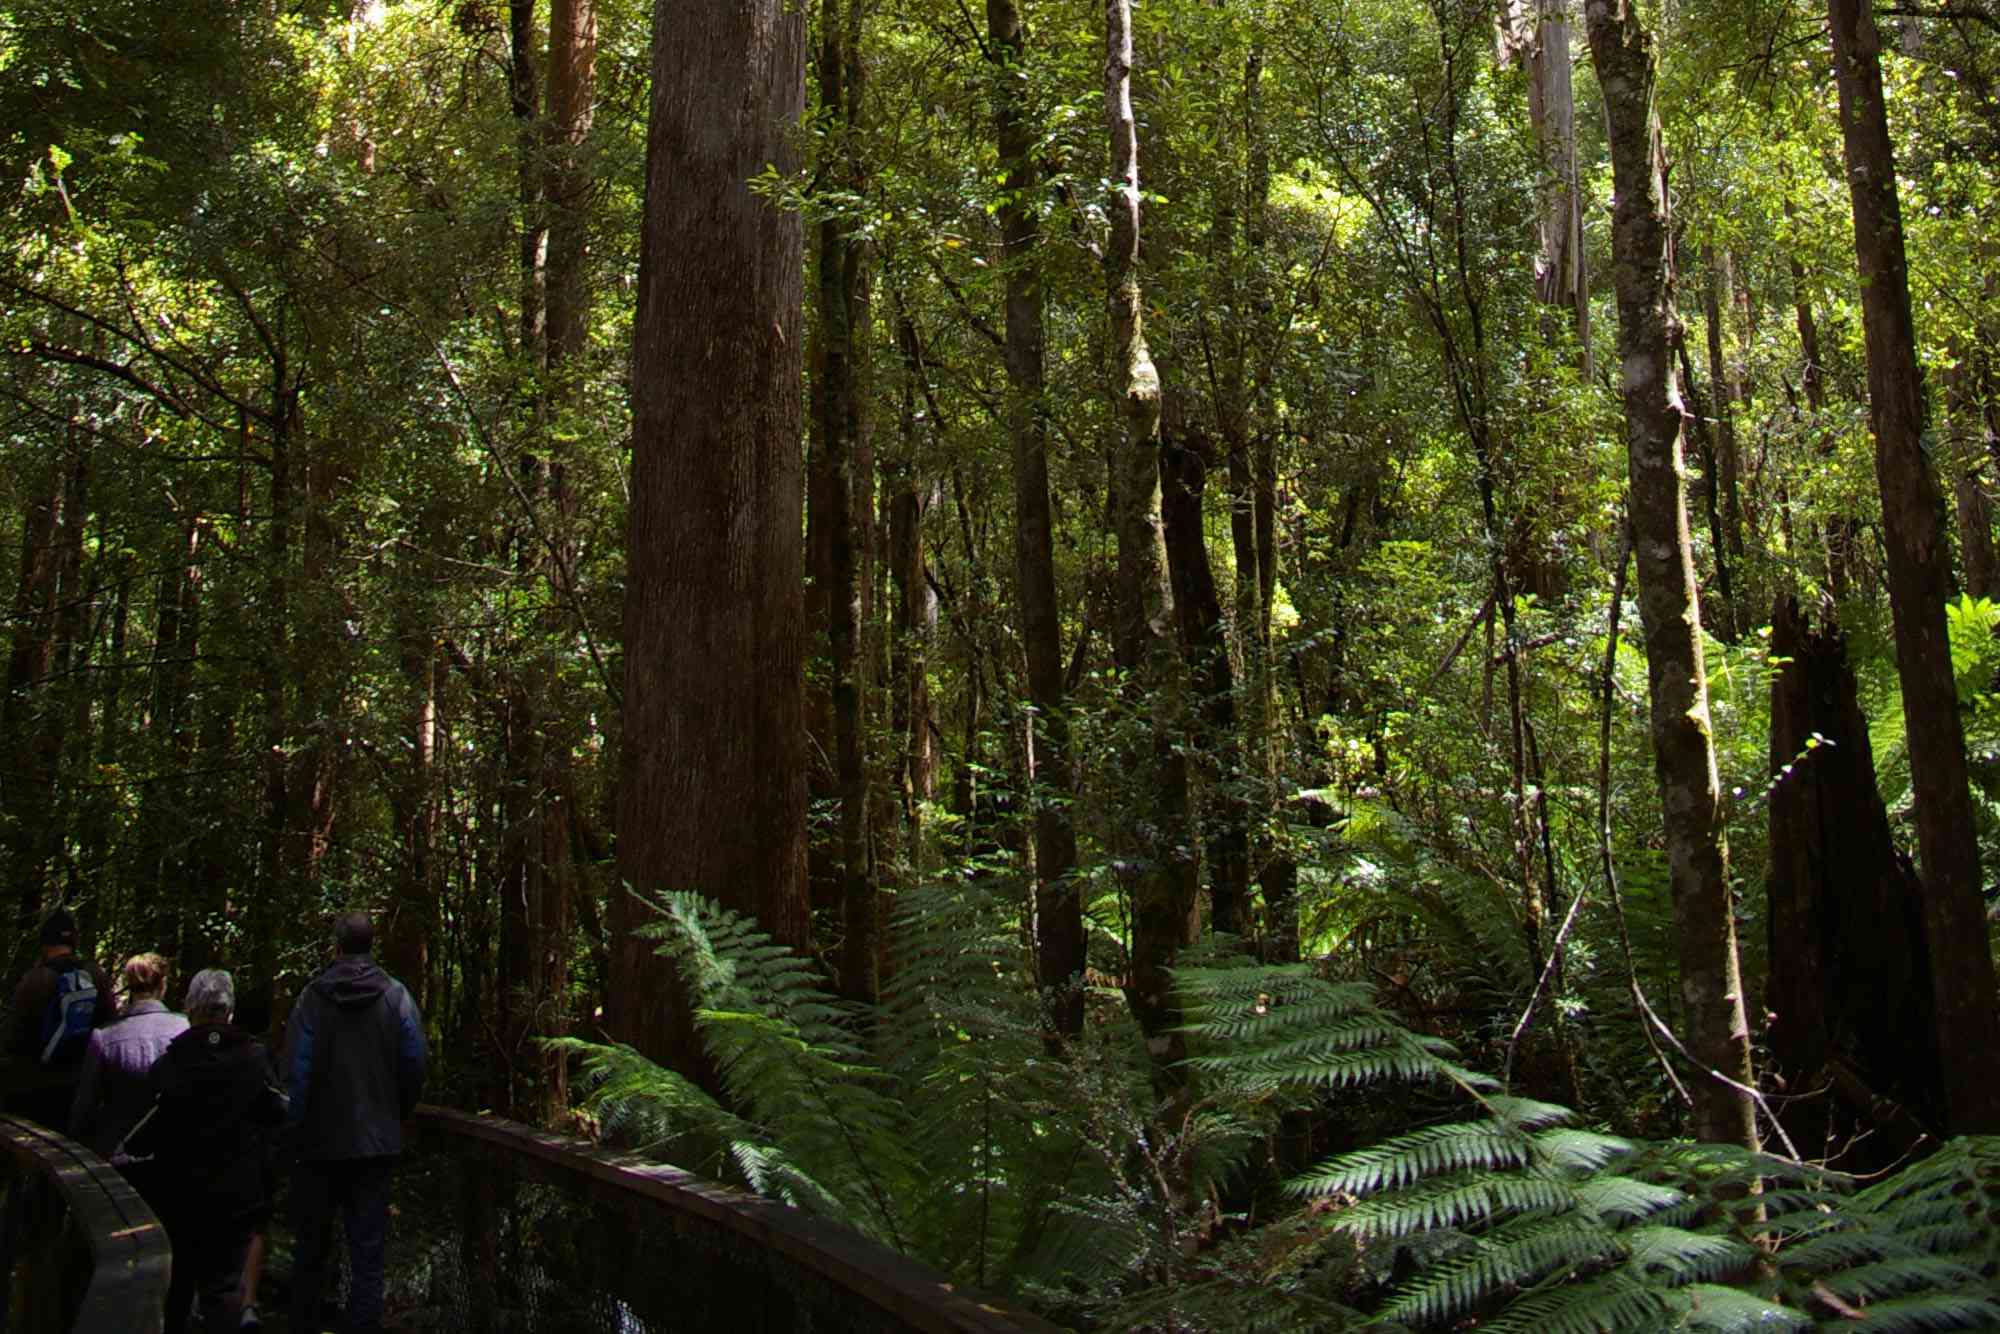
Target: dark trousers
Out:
[208,1270]
[358,1189]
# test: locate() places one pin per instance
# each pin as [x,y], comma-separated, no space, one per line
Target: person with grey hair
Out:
[200,1154]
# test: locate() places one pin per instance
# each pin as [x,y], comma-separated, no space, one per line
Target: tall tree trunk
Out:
[1683,755]
[166,808]
[517,986]
[275,613]
[1971,462]
[1164,896]
[712,792]
[1725,615]
[30,658]
[1204,641]
[1058,909]
[414,917]
[1919,561]
[525,100]
[566,191]
[915,610]
[1841,531]
[1850,984]
[836,400]
[1725,396]
[1537,32]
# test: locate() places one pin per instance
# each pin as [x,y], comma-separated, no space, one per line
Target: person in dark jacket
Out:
[117,1088]
[200,1152]
[46,1065]
[354,1065]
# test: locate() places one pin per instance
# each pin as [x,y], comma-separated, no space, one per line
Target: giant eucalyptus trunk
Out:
[712,790]
[1683,754]
[1058,909]
[1919,561]
[1163,887]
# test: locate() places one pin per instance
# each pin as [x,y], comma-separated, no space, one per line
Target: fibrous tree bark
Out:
[1162,875]
[1058,909]
[1849,989]
[1683,753]
[1919,571]
[712,794]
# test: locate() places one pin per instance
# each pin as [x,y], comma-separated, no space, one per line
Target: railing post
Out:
[479,1231]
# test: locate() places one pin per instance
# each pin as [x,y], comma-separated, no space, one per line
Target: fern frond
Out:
[1676,1256]
[1612,1302]
[1715,1309]
[1905,1273]
[1408,1159]
[1497,1268]
[1624,1200]
[1928,1312]
[1525,1113]
[1467,1200]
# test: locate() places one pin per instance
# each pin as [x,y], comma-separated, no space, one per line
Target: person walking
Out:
[116,1087]
[354,1066]
[200,1155]
[57,1005]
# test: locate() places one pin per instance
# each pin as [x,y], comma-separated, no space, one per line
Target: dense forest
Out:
[1295,664]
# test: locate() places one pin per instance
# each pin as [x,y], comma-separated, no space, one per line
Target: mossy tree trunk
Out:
[1162,876]
[1683,752]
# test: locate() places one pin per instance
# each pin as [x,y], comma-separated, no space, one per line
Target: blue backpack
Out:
[71,1014]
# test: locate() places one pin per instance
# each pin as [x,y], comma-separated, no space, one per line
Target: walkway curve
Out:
[105,1227]
[906,1294]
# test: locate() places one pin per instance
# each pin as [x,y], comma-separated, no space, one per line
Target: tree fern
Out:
[809,1118]
[1550,1229]
[957,1133]
[961,1039]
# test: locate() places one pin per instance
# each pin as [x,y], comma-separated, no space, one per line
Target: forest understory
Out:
[1300,665]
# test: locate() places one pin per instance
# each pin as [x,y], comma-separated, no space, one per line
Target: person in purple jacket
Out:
[115,1089]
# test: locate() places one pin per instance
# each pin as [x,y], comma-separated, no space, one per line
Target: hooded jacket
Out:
[354,1062]
[201,1150]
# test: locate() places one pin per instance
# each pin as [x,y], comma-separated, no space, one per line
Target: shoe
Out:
[250,1319]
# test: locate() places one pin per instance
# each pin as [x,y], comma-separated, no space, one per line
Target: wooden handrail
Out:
[130,1259]
[911,1295]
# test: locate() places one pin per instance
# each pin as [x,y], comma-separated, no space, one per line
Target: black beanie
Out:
[59,928]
